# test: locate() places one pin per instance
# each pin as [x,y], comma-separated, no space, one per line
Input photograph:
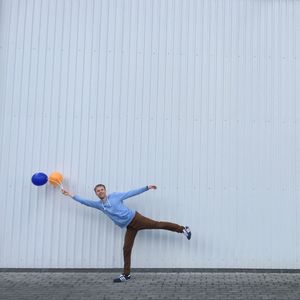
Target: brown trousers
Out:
[140,222]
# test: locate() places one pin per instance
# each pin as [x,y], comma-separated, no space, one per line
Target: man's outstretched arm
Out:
[138,191]
[81,200]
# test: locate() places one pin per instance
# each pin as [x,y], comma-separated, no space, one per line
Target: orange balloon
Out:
[55,178]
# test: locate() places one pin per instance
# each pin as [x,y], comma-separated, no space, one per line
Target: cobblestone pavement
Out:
[93,285]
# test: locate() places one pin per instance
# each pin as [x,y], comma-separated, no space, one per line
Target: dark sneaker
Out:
[122,278]
[187,232]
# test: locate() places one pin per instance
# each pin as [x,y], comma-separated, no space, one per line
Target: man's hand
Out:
[151,186]
[66,193]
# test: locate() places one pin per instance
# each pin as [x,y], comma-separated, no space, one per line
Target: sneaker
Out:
[187,232]
[122,278]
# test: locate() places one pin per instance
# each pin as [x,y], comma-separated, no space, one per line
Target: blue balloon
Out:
[39,179]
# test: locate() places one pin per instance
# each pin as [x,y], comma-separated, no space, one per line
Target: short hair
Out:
[100,184]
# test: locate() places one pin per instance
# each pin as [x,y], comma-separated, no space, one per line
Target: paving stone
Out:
[147,286]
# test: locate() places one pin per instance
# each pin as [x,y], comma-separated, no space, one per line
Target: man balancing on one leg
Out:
[112,205]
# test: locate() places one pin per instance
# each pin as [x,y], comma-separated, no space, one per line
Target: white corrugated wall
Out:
[198,97]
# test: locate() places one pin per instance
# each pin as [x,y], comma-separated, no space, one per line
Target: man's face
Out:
[101,192]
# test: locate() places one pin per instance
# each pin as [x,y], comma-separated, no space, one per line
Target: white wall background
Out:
[198,97]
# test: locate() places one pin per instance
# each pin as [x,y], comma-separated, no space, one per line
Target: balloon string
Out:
[61,186]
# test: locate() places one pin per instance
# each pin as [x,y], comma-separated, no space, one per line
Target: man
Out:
[112,205]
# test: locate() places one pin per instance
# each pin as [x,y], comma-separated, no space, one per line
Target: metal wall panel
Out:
[198,97]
